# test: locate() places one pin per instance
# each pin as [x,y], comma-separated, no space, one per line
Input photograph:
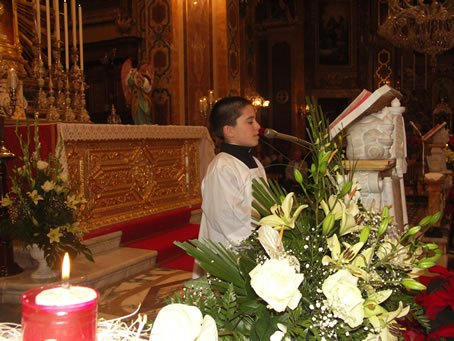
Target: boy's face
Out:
[246,131]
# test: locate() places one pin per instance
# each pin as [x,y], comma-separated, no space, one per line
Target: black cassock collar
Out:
[242,153]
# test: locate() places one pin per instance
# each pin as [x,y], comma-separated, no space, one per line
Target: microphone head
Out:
[270,133]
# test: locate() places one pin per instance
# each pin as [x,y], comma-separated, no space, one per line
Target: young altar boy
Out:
[227,185]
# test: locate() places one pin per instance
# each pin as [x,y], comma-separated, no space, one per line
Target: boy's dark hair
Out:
[225,112]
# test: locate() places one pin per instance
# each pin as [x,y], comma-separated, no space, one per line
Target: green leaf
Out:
[216,260]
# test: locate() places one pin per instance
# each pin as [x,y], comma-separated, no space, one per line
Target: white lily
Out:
[334,206]
[269,238]
[372,304]
[337,258]
[348,222]
[272,243]
[281,217]
[382,323]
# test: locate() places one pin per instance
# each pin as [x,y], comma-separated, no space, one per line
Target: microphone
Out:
[273,134]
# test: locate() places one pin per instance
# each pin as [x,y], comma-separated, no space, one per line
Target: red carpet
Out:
[170,255]
[158,233]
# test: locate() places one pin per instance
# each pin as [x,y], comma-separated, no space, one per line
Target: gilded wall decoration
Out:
[233,46]
[154,18]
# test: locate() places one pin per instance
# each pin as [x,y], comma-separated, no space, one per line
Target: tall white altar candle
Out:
[81,40]
[38,20]
[73,21]
[49,48]
[57,21]
[65,16]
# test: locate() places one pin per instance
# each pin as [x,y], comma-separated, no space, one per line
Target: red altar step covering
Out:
[158,233]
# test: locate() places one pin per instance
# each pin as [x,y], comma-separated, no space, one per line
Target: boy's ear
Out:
[228,131]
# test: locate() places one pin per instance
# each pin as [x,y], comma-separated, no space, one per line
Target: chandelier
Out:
[426,26]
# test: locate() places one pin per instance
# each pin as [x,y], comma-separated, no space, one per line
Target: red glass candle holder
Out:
[59,322]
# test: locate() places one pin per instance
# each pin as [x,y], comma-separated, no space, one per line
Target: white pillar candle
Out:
[49,48]
[81,40]
[38,20]
[12,78]
[65,16]
[73,21]
[57,21]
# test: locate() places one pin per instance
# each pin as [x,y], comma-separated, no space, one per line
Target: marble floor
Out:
[149,289]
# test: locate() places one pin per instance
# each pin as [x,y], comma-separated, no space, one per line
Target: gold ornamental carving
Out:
[124,180]
[10,48]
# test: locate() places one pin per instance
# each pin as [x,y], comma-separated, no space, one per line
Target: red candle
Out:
[60,312]
[67,322]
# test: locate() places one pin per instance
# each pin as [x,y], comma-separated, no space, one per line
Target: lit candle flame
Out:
[65,270]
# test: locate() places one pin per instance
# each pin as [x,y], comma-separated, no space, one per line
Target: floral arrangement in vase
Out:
[42,206]
[321,265]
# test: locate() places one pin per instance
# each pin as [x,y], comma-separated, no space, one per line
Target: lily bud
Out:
[425,264]
[383,226]
[412,284]
[328,224]
[364,234]
[413,230]
[385,212]
[424,221]
[434,218]
[410,232]
[298,176]
[35,222]
[346,189]
[431,246]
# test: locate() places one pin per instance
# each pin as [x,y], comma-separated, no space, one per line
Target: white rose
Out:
[344,297]
[42,165]
[48,186]
[277,282]
[180,322]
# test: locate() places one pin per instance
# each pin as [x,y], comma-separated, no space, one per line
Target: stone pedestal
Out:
[437,186]
[380,187]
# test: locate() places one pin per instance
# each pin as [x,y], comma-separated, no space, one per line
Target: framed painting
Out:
[335,34]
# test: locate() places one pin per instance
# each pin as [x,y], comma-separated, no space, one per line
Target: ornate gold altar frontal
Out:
[130,172]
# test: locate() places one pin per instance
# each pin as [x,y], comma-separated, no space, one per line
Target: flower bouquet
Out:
[449,158]
[42,206]
[321,266]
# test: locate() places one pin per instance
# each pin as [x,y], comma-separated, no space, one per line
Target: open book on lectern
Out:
[433,131]
[366,102]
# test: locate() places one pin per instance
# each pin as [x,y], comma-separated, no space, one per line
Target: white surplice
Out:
[227,199]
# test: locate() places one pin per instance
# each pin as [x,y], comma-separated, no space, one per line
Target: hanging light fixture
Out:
[423,26]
